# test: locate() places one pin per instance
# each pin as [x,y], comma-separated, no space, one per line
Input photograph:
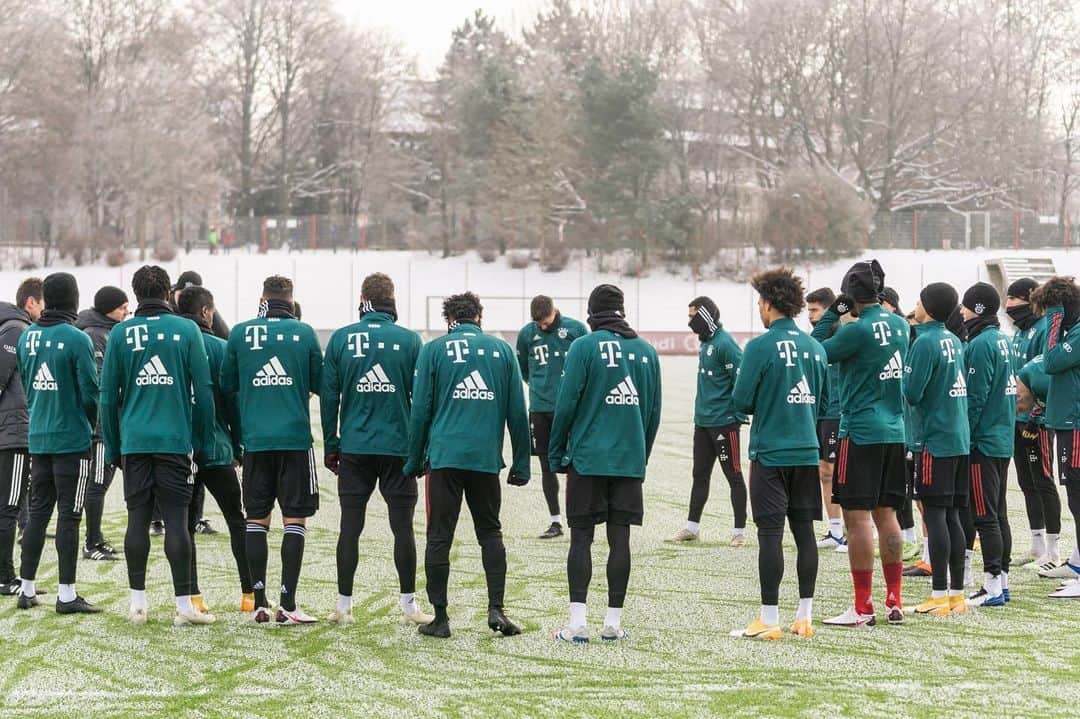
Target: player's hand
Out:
[1070,316]
[517,479]
[842,305]
[332,460]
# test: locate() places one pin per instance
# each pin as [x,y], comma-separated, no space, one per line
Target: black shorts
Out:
[14,476]
[1068,442]
[792,492]
[595,500]
[869,476]
[540,429]
[909,475]
[286,476]
[359,473]
[941,481]
[828,435]
[163,478]
[987,474]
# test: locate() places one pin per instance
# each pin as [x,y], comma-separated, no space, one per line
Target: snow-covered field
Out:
[328,285]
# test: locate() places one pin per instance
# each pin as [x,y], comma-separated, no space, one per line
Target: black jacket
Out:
[14,417]
[219,327]
[98,327]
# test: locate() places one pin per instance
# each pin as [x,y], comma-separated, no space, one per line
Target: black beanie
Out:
[708,305]
[938,299]
[888,294]
[982,299]
[61,292]
[191,278]
[108,298]
[863,281]
[606,298]
[1021,289]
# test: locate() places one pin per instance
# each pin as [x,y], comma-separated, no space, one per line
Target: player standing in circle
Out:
[936,389]
[606,419]
[541,352]
[781,379]
[157,407]
[366,393]
[273,365]
[467,393]
[869,480]
[717,423]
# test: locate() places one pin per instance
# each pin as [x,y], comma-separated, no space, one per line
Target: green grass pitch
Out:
[680,661]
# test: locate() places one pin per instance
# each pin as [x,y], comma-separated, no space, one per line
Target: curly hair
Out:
[151,282]
[465,306]
[1054,292]
[782,289]
[278,287]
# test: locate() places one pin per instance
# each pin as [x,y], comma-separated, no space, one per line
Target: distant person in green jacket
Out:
[366,392]
[936,389]
[273,364]
[717,424]
[217,462]
[781,382]
[57,369]
[1060,297]
[1033,444]
[991,399]
[157,411]
[466,394]
[541,351]
[606,418]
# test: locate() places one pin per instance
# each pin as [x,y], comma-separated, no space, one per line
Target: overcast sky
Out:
[425,25]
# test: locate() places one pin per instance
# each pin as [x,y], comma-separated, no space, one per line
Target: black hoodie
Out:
[98,326]
[14,417]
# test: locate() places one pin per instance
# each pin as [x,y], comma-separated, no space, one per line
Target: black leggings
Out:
[946,535]
[770,531]
[225,488]
[353,512]
[579,563]
[178,547]
[1072,491]
[101,477]
[711,444]
[56,480]
[1033,454]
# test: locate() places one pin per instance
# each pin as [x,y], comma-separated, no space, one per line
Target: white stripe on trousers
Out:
[313,480]
[99,464]
[80,486]
[18,461]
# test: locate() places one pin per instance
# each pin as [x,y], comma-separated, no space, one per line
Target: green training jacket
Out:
[935,387]
[541,355]
[1026,345]
[1062,362]
[225,446]
[991,393]
[718,366]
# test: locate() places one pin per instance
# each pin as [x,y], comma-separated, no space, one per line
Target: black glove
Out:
[518,480]
[1071,315]
[842,305]
[332,460]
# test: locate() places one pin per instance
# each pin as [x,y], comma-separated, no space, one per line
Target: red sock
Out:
[894,576]
[864,585]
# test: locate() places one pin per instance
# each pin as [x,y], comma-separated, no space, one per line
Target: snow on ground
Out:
[328,284]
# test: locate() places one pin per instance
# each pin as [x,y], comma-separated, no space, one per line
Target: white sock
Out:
[1053,548]
[806,609]
[1004,581]
[992,585]
[344,604]
[937,593]
[908,534]
[956,592]
[836,528]
[1038,542]
[613,618]
[408,603]
[770,615]
[694,527]
[577,615]
[183,604]
[1075,558]
[66,593]
[926,550]
[556,519]
[738,531]
[138,599]
[28,589]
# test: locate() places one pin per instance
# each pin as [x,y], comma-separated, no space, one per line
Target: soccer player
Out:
[56,366]
[216,470]
[110,307]
[817,302]
[190,278]
[541,351]
[466,393]
[868,483]
[783,374]
[1061,299]
[157,406]
[273,364]
[717,423]
[935,388]
[1033,449]
[606,417]
[991,400]
[890,300]
[14,424]
[366,392]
